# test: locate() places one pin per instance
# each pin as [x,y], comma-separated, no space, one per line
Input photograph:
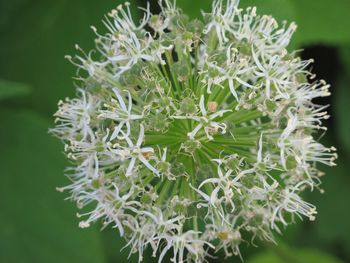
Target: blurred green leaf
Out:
[36,225]
[10,89]
[322,21]
[298,256]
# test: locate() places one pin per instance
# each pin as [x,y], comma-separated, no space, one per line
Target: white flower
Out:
[120,113]
[230,72]
[136,50]
[180,243]
[227,183]
[189,135]
[222,19]
[229,239]
[123,21]
[274,72]
[205,121]
[74,116]
[292,203]
[134,152]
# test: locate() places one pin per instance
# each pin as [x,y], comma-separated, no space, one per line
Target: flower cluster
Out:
[189,136]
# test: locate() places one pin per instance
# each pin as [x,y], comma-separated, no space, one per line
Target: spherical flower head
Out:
[190,135]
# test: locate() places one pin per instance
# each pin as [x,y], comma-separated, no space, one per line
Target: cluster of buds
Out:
[189,136]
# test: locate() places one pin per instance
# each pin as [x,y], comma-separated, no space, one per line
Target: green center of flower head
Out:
[188,134]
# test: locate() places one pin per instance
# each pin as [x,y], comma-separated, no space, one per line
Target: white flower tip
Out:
[93,28]
[60,189]
[113,13]
[84,224]
[293,26]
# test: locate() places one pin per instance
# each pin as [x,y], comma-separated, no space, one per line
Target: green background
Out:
[37,225]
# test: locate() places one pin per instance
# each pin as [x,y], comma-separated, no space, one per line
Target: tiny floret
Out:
[193,136]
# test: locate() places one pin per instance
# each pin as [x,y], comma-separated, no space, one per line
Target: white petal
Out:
[141,136]
[202,107]
[130,167]
[148,165]
[120,99]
